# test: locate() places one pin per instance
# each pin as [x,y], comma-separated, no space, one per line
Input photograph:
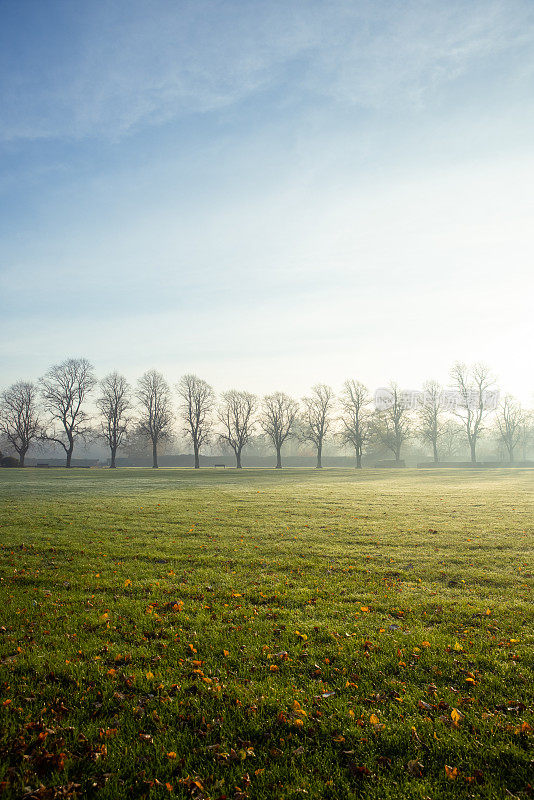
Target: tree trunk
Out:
[113,454]
[197,459]
[238,459]
[278,458]
[69,457]
[319,453]
[510,452]
[358,458]
[23,453]
[435,449]
[154,455]
[473,447]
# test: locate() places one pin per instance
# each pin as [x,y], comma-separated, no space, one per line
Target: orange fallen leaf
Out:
[456,716]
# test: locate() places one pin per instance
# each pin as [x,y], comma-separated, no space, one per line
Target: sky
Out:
[268,193]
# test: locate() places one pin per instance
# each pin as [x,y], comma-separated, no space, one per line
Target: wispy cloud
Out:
[131,64]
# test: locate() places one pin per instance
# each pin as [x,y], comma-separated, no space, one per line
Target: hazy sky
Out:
[268,193]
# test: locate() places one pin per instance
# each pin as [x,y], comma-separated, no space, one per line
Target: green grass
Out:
[252,623]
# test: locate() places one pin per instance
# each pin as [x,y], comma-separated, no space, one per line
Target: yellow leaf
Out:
[226,653]
[273,668]
[150,675]
[451,772]
[171,755]
[364,608]
[456,716]
[127,583]
[458,647]
[373,719]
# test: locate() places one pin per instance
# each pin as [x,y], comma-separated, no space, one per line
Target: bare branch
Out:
[197,401]
[279,414]
[236,417]
[510,421]
[64,390]
[19,419]
[156,415]
[355,417]
[431,417]
[475,387]
[316,417]
[114,403]
[391,426]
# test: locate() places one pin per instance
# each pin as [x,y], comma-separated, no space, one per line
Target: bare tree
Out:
[476,390]
[355,417]
[510,419]
[316,417]
[236,417]
[19,419]
[391,425]
[156,415]
[526,434]
[64,389]
[114,403]
[431,417]
[451,439]
[278,419]
[197,401]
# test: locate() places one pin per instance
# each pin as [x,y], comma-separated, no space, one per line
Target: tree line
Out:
[55,410]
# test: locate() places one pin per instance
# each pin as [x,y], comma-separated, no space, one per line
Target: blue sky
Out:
[268,193]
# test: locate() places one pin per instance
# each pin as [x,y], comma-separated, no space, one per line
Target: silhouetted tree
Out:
[526,434]
[64,389]
[355,417]
[278,418]
[316,417]
[196,406]
[476,390]
[114,403]
[155,411]
[236,417]
[431,416]
[510,419]
[391,425]
[19,419]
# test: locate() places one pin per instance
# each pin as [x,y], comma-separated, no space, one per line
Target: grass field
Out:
[267,635]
